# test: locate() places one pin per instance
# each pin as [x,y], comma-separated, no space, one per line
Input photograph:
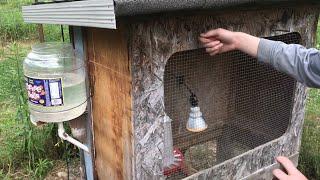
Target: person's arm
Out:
[295,60]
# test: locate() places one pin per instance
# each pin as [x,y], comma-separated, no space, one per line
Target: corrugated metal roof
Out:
[92,13]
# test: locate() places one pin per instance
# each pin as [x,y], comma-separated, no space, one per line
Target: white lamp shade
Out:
[196,122]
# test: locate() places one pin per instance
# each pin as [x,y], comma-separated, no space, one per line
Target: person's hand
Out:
[293,172]
[218,41]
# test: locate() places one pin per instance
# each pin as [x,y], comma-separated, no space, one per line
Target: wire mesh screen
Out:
[222,106]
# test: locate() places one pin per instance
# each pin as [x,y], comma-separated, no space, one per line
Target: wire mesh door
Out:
[223,106]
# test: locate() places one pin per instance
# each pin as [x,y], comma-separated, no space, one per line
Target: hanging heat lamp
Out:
[196,122]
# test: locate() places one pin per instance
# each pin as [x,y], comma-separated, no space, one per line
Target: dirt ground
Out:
[60,171]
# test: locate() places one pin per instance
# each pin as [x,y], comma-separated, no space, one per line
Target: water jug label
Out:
[45,92]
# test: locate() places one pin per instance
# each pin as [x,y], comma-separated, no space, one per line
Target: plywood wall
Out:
[109,71]
[152,43]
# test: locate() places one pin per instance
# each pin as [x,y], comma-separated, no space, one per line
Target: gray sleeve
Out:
[295,60]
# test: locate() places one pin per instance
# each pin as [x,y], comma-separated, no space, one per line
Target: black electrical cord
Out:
[193,99]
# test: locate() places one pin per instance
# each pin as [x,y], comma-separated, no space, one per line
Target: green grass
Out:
[12,27]
[26,152]
[309,161]
[23,148]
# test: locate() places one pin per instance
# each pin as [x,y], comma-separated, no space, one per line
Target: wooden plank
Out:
[40,29]
[109,52]
[110,71]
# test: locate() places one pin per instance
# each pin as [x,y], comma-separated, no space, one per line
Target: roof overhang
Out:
[102,13]
[138,7]
[88,13]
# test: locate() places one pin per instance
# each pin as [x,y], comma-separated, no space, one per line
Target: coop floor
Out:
[204,156]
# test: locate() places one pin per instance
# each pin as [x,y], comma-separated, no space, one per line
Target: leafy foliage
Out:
[25,151]
[42,167]
[23,147]
[13,28]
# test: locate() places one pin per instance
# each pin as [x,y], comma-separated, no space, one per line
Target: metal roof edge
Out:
[91,13]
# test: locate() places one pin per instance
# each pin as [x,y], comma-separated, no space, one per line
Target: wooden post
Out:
[41,34]
[40,30]
[111,74]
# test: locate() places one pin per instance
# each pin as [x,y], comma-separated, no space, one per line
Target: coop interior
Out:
[222,106]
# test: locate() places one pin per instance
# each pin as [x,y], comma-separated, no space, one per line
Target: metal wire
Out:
[245,104]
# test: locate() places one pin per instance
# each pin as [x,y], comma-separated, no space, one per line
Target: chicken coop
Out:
[162,108]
